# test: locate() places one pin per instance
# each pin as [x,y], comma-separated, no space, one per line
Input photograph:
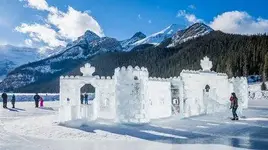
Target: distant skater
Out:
[234,106]
[41,102]
[86,98]
[4,97]
[36,99]
[13,100]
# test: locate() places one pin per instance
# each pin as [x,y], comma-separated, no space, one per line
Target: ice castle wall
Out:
[159,98]
[197,100]
[131,94]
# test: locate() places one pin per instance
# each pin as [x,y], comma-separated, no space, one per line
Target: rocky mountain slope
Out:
[159,37]
[12,57]
[74,54]
[177,36]
[237,55]
[194,31]
[127,44]
[89,46]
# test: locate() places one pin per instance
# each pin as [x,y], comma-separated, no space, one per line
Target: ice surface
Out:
[29,128]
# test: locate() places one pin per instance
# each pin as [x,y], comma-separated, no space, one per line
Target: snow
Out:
[159,37]
[30,128]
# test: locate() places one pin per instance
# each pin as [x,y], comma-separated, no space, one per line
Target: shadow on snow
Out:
[173,136]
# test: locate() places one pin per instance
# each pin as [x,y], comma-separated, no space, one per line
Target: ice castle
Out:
[132,97]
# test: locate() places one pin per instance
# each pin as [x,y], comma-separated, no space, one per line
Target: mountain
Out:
[75,53]
[159,37]
[12,57]
[128,43]
[236,55]
[177,36]
[194,31]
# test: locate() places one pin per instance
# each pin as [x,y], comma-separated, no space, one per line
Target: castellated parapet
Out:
[131,93]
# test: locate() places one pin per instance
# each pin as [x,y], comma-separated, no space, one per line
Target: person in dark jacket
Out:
[234,106]
[86,98]
[36,99]
[13,100]
[4,97]
[82,98]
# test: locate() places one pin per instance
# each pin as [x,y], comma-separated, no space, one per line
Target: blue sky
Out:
[52,23]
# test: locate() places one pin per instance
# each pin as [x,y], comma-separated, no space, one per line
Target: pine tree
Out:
[265,67]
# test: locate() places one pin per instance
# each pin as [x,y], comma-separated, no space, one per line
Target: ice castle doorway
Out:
[87,94]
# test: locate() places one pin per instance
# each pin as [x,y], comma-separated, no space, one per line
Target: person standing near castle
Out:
[86,98]
[13,100]
[234,106]
[82,98]
[36,99]
[41,101]
[4,97]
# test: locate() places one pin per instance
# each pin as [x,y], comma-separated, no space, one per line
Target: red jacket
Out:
[234,102]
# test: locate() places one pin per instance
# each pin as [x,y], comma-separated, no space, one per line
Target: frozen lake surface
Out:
[29,128]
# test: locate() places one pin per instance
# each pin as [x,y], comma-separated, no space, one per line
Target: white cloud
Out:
[239,22]
[192,7]
[42,33]
[149,21]
[73,23]
[37,4]
[191,18]
[68,25]
[28,42]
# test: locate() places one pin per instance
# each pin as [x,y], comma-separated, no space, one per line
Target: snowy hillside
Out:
[194,31]
[159,37]
[12,57]
[128,43]
[73,55]
[177,36]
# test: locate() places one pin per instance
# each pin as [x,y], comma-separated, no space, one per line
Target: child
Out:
[41,102]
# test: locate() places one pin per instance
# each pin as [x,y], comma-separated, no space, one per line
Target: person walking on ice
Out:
[234,106]
[41,101]
[4,97]
[36,99]
[13,100]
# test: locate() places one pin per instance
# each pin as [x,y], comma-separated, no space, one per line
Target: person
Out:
[41,101]
[36,99]
[86,98]
[81,98]
[13,100]
[234,106]
[4,97]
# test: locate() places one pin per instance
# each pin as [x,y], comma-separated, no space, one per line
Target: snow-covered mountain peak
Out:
[173,28]
[193,31]
[158,37]
[139,35]
[128,43]
[88,37]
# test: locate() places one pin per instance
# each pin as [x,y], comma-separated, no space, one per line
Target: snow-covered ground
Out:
[29,128]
